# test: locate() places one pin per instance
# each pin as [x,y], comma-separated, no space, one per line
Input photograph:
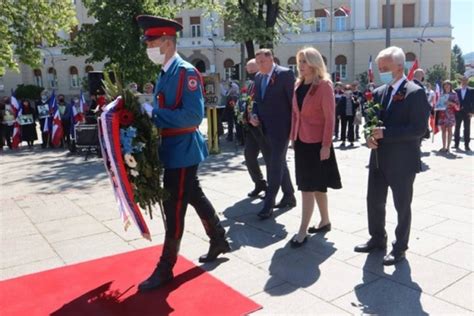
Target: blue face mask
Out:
[386,77]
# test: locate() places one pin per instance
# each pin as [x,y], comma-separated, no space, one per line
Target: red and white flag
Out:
[57,125]
[370,72]
[414,67]
[17,111]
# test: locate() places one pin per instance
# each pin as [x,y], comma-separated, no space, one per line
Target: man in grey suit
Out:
[274,87]
[395,158]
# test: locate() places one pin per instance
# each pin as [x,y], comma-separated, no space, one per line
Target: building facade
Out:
[421,27]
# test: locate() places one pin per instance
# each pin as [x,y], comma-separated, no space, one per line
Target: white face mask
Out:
[155,55]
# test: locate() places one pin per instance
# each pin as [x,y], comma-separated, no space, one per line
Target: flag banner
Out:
[56,130]
[414,67]
[17,113]
[370,72]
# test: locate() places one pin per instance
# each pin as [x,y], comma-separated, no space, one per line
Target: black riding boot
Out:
[218,242]
[163,272]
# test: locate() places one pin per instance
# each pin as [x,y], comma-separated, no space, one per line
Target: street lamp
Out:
[420,40]
[214,51]
[55,79]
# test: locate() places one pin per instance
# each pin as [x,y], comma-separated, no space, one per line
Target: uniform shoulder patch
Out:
[192,83]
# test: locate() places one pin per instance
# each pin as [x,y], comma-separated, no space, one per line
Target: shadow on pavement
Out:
[388,298]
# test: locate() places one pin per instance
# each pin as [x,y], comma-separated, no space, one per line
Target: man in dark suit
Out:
[274,87]
[466,100]
[255,141]
[395,158]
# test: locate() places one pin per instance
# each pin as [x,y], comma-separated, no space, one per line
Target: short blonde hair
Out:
[315,61]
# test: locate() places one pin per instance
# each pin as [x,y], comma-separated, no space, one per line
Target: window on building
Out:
[409,15]
[52,78]
[292,65]
[409,60]
[228,66]
[38,77]
[195,26]
[341,67]
[180,21]
[88,69]
[73,32]
[392,16]
[74,77]
[321,20]
[340,20]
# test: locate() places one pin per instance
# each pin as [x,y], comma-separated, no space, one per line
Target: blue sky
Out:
[462,14]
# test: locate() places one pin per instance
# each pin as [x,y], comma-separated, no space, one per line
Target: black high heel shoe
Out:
[322,229]
[296,244]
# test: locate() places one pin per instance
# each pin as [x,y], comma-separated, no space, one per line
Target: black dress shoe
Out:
[158,278]
[393,257]
[265,213]
[286,202]
[296,244]
[322,229]
[467,148]
[215,249]
[260,187]
[371,245]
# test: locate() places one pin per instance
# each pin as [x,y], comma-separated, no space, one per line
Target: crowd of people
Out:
[29,113]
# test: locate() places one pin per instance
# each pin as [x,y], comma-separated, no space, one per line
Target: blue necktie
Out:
[264,84]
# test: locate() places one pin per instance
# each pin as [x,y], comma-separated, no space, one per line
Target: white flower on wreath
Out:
[134,173]
[130,161]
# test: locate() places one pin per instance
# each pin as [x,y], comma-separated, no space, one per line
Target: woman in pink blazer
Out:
[312,128]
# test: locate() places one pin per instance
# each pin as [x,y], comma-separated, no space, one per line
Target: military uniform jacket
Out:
[179,104]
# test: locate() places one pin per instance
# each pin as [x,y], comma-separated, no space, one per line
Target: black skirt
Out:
[312,174]
[28,132]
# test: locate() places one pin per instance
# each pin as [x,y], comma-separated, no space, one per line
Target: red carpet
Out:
[108,286]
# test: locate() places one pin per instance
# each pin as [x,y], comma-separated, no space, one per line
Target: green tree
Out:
[24,24]
[457,62]
[115,37]
[438,72]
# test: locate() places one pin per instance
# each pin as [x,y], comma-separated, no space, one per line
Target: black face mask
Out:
[251,76]
[61,100]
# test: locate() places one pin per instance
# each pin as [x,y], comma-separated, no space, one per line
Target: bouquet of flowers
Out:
[372,119]
[129,142]
[243,105]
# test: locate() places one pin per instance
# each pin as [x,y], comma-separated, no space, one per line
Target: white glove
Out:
[147,108]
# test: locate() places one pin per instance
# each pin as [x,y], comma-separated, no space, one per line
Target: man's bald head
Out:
[251,66]
[419,74]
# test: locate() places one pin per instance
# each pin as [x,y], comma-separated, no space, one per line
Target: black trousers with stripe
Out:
[184,188]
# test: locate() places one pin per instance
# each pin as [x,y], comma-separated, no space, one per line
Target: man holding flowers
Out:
[402,117]
[178,110]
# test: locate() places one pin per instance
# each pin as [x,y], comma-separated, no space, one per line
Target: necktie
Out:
[387,98]
[264,84]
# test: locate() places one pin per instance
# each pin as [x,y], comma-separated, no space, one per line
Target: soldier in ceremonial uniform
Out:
[178,110]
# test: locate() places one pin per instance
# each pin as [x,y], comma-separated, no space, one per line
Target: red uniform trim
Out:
[179,93]
[167,132]
[179,203]
[161,31]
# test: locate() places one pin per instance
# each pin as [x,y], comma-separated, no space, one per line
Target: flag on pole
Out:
[17,111]
[56,123]
[370,72]
[414,67]
[47,121]
[344,9]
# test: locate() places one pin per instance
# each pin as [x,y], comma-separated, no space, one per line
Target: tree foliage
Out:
[262,22]
[115,37]
[25,24]
[457,62]
[438,72]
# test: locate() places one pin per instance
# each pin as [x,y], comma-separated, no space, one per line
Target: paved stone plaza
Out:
[57,210]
